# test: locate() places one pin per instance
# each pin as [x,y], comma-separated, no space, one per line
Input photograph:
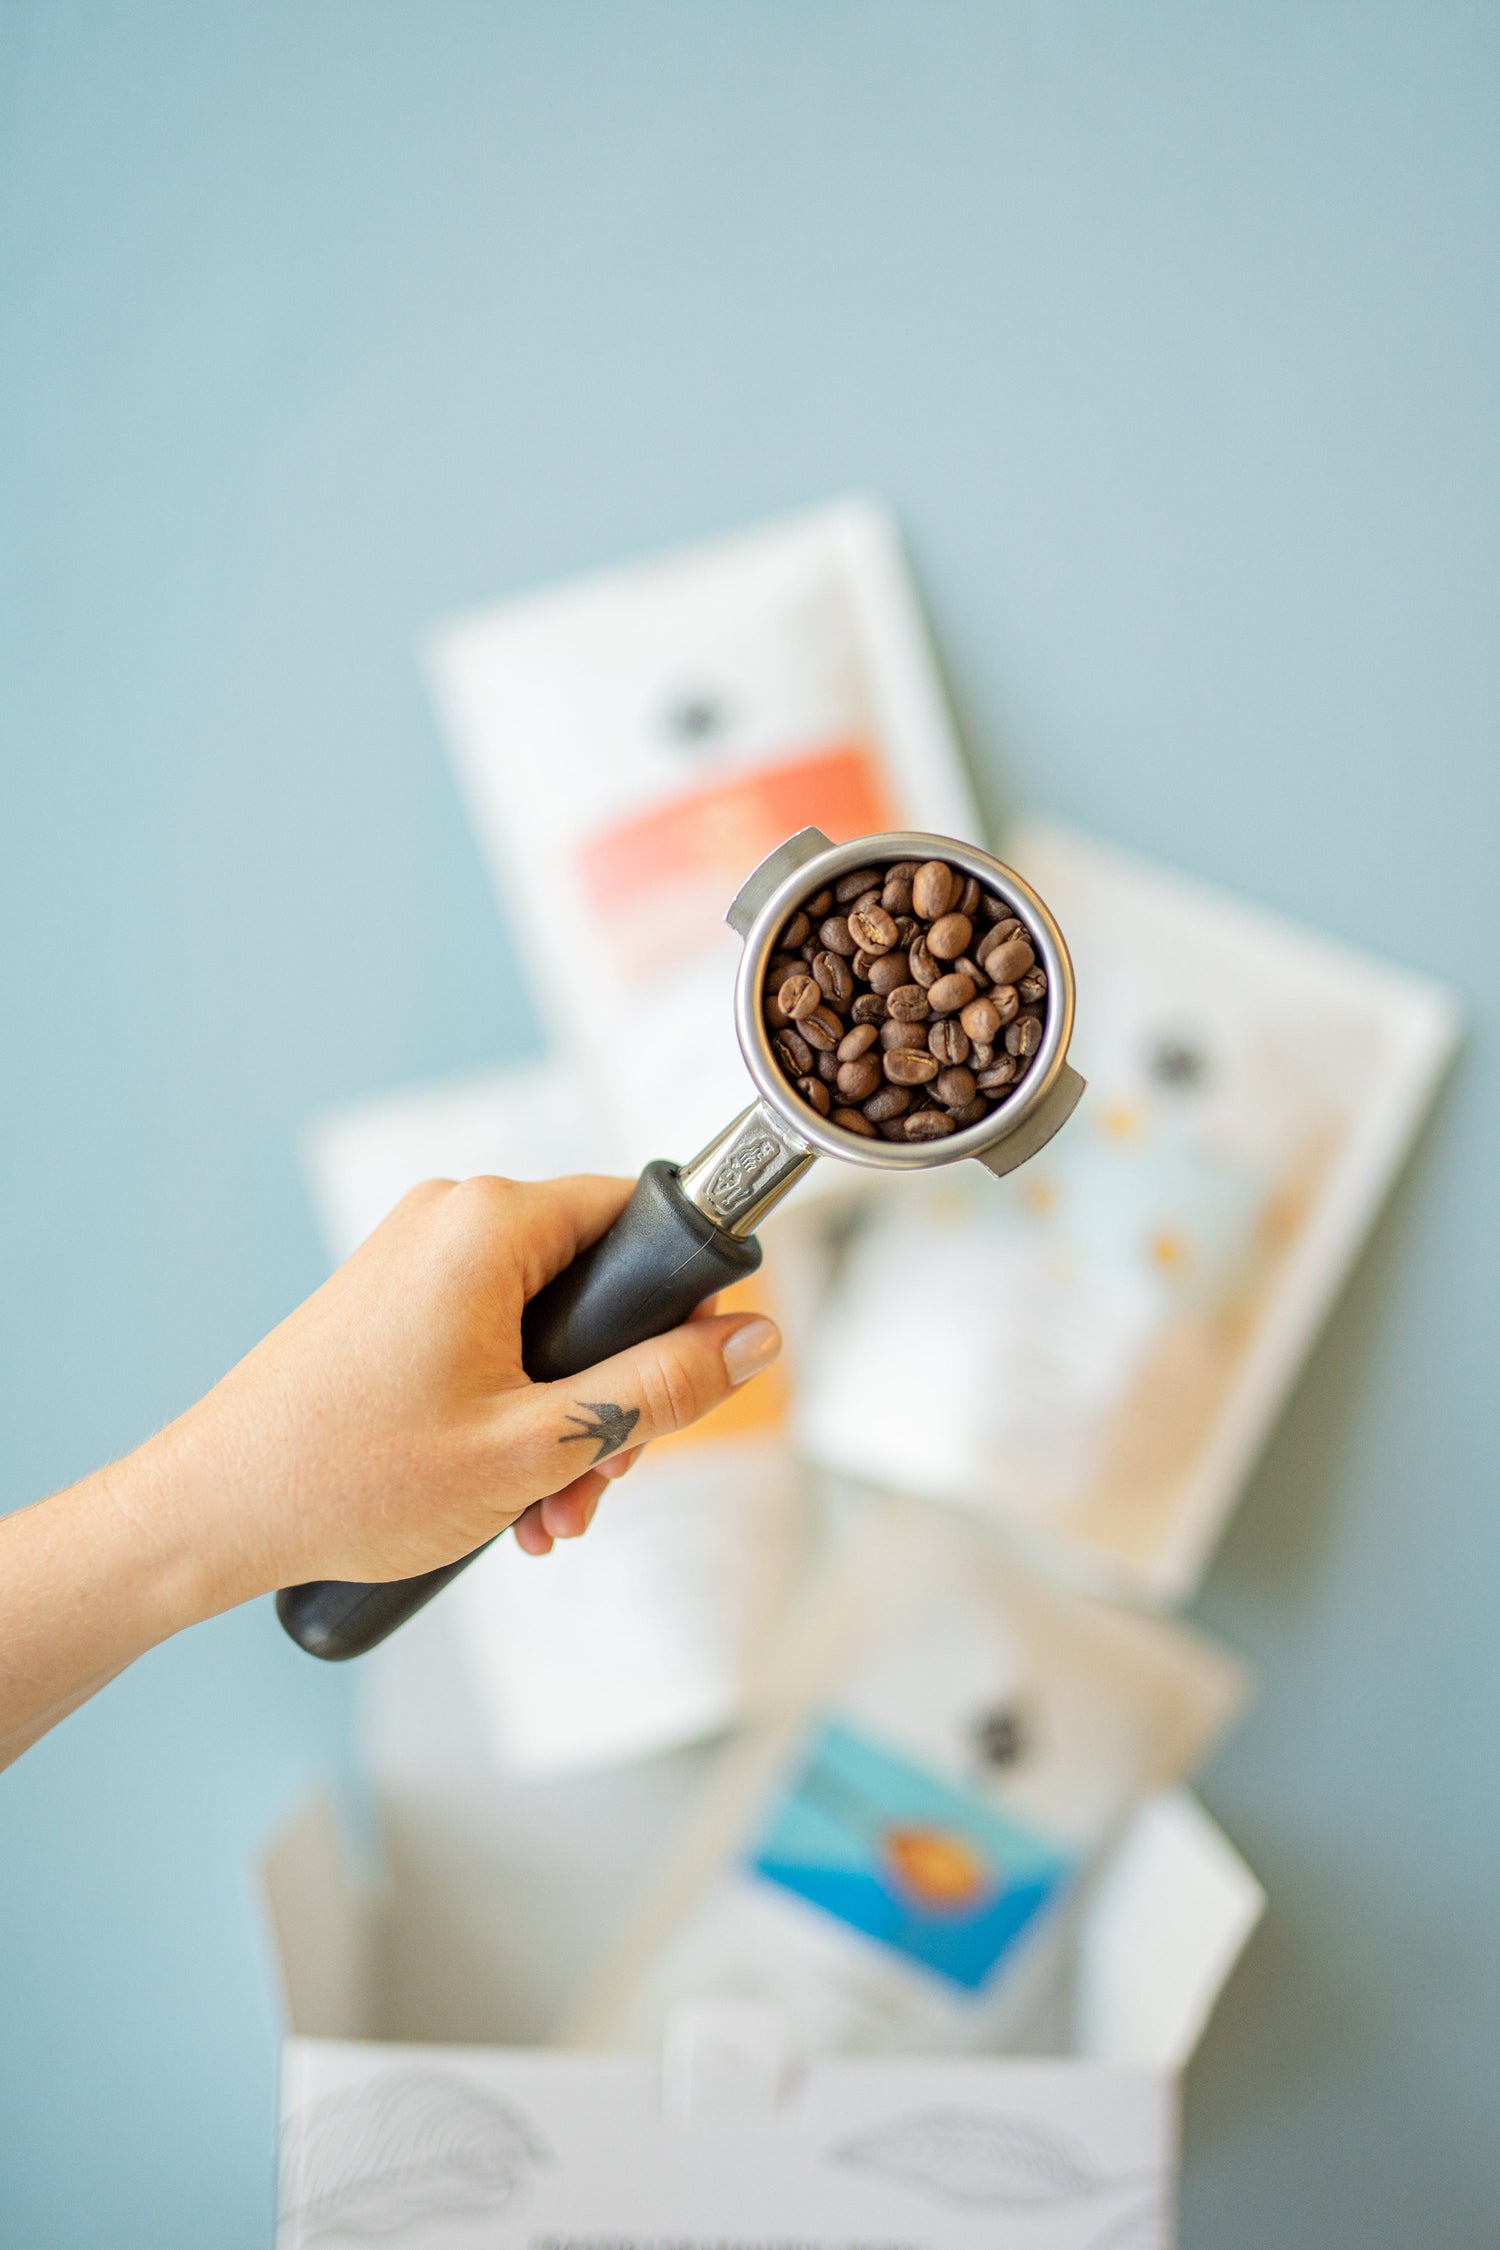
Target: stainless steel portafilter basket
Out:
[750,1166]
[689,1230]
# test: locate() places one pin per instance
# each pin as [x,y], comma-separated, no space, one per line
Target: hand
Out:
[385,1428]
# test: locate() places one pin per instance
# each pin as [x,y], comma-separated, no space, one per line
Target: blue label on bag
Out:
[915,1862]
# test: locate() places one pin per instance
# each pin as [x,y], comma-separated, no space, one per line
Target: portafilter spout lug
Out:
[773,870]
[1034,1132]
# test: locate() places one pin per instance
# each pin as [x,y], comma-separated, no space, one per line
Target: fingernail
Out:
[750,1349]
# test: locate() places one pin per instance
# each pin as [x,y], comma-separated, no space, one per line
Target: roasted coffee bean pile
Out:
[906,1001]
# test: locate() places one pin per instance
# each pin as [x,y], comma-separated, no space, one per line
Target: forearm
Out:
[91,1579]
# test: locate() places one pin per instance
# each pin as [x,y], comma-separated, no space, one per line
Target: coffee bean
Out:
[835,978]
[795,933]
[896,897]
[807,948]
[835,935]
[888,971]
[989,953]
[858,1080]
[799,996]
[897,1031]
[815,1094]
[1033,986]
[855,885]
[994,909]
[816,908]
[776,1016]
[894,1129]
[1010,959]
[999,1076]
[933,889]
[857,1042]
[949,994]
[827,1064]
[794,1054]
[852,1122]
[981,1054]
[967,966]
[862,964]
[927,1125]
[907,928]
[1006,927]
[821,1029]
[948,1040]
[948,937]
[901,870]
[967,901]
[1024,1036]
[873,928]
[869,1008]
[908,1003]
[891,1101]
[971,1112]
[923,967]
[1006,1001]
[779,968]
[910,1066]
[981,1019]
[954,1087]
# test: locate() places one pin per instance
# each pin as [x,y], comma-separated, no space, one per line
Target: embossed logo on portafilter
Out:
[733,1183]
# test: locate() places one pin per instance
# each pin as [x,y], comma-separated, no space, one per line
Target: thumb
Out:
[648,1392]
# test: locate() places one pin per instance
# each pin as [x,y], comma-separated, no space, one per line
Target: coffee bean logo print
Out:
[1000,1736]
[1180,1064]
[695,718]
[977,2160]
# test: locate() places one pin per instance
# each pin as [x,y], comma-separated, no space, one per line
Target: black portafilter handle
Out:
[649,1271]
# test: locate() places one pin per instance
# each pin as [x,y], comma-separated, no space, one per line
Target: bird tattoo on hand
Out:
[600,1422]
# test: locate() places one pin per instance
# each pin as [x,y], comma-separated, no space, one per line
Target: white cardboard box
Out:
[417,2110]
[392,2132]
[711,2145]
[415,2104]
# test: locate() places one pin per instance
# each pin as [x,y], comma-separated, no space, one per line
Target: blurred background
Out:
[1171,335]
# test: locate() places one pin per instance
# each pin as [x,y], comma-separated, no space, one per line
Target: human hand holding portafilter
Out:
[688,1231]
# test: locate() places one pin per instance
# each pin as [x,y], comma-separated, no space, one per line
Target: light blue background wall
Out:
[1171,331]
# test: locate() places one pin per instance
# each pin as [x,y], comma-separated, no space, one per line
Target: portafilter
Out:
[689,1230]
